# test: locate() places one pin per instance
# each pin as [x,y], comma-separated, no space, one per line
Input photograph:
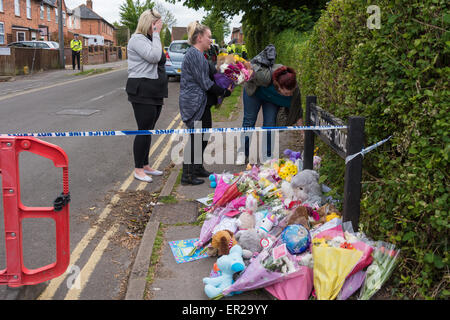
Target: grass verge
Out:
[92,72]
[229,106]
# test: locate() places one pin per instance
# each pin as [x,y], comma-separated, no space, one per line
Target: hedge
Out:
[397,78]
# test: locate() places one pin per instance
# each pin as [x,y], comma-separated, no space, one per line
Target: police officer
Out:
[76,47]
[244,51]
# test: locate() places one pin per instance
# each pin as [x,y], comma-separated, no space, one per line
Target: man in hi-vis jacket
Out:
[76,46]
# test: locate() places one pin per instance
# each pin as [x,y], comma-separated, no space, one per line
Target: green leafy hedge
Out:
[397,78]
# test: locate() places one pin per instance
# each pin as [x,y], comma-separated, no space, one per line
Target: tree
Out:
[121,34]
[168,18]
[167,37]
[219,25]
[130,11]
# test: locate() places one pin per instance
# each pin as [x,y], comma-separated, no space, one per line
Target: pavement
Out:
[172,281]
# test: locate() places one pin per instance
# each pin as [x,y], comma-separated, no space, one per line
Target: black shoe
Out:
[188,176]
[200,171]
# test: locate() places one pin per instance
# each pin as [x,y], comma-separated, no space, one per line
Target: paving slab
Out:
[180,212]
[183,281]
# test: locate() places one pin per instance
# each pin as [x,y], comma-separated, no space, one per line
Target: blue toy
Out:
[228,265]
[213,180]
[293,156]
[297,238]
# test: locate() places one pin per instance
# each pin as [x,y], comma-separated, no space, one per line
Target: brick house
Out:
[85,21]
[237,35]
[179,33]
[22,20]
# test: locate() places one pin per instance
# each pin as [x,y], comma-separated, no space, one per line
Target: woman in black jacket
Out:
[147,86]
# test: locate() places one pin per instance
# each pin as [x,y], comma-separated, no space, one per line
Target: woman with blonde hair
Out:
[198,93]
[147,86]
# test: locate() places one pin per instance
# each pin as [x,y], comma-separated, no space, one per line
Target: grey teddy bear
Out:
[308,183]
[250,242]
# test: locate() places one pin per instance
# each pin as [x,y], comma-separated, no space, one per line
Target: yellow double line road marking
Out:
[87,270]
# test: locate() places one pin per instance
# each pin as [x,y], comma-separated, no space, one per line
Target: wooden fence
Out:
[27,60]
[97,54]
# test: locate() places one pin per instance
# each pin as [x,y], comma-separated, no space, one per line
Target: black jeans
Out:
[189,156]
[146,116]
[76,56]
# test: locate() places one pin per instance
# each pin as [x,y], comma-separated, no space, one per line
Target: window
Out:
[29,9]
[2,32]
[33,36]
[48,13]
[42,11]
[64,18]
[1,6]
[56,15]
[20,36]
[17,7]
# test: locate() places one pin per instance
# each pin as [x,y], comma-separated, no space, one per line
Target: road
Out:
[99,167]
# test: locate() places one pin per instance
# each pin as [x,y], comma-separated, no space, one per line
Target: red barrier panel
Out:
[16,274]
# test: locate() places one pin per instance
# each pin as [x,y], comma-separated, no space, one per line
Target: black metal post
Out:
[308,152]
[353,171]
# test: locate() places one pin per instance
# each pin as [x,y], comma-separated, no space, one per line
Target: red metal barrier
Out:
[16,274]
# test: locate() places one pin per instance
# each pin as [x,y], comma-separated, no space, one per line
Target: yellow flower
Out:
[332,216]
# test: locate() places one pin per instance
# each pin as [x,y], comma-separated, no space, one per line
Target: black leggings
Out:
[146,116]
[206,123]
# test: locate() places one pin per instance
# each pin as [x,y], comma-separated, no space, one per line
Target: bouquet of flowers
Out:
[384,262]
[232,70]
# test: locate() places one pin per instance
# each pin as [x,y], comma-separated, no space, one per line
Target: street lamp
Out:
[62,63]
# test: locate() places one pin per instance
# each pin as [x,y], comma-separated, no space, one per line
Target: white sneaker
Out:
[144,179]
[240,160]
[154,172]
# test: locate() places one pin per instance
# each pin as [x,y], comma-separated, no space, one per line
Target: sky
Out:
[109,10]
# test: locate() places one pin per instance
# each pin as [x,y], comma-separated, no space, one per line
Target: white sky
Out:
[109,9]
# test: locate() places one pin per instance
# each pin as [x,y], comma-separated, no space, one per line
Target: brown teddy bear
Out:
[223,241]
[299,216]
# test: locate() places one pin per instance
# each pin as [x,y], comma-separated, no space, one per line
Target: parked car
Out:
[175,56]
[50,45]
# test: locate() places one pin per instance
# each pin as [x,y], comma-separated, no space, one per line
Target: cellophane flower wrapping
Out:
[385,258]
[264,271]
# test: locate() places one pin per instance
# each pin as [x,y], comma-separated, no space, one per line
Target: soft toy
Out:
[326,213]
[307,183]
[250,242]
[289,193]
[223,241]
[299,216]
[247,220]
[228,265]
[292,155]
[266,224]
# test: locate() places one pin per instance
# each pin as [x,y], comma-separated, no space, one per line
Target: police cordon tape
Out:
[109,133]
[366,150]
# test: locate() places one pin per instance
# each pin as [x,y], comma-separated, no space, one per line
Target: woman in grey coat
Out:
[198,93]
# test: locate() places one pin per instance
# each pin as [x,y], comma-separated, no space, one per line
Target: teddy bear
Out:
[325,211]
[228,265]
[247,220]
[307,183]
[223,241]
[299,216]
[250,242]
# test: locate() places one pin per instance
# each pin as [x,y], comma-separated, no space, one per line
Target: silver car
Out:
[175,56]
[50,45]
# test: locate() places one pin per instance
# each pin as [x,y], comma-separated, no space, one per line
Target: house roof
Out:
[86,13]
[178,33]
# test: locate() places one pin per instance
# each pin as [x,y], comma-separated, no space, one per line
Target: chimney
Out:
[89,4]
